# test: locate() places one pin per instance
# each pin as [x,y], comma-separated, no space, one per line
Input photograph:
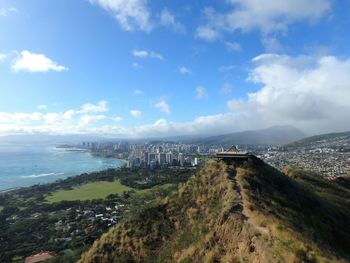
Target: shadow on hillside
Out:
[304,208]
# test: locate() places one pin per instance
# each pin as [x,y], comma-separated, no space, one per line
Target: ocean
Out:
[28,164]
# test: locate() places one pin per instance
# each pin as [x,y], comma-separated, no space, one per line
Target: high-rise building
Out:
[152,157]
[169,158]
[181,159]
[162,158]
[146,157]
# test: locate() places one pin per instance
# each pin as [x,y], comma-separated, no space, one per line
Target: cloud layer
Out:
[271,16]
[311,93]
[130,14]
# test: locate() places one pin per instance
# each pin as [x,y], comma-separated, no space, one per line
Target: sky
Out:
[138,68]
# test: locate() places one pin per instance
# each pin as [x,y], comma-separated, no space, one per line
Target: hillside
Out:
[320,138]
[272,135]
[250,213]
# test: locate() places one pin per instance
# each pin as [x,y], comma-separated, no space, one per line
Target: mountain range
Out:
[275,135]
[320,138]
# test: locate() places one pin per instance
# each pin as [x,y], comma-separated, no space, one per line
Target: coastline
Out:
[3,191]
[17,180]
[11,189]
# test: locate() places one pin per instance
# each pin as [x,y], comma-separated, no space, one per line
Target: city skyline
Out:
[138,68]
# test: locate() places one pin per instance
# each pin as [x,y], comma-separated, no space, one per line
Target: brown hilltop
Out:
[251,213]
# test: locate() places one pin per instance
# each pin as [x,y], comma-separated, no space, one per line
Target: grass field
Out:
[90,191]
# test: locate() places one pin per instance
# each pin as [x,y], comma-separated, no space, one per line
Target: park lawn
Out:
[157,188]
[89,191]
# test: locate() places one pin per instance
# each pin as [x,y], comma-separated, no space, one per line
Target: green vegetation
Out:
[67,216]
[251,213]
[100,190]
[157,189]
[90,191]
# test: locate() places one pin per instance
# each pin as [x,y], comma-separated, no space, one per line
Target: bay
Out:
[29,164]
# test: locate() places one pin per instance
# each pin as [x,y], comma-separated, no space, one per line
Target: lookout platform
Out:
[234,155]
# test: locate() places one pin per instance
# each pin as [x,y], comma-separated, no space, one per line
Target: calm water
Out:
[25,165]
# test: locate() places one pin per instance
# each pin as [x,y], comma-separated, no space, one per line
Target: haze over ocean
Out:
[28,164]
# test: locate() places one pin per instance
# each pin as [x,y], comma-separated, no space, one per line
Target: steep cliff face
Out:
[252,213]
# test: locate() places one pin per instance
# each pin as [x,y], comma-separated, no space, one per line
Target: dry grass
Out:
[225,215]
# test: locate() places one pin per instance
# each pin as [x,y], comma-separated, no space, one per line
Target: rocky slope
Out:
[246,213]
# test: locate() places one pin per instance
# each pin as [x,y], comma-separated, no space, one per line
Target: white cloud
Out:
[212,30]
[52,117]
[69,115]
[271,16]
[32,62]
[227,68]
[101,106]
[211,124]
[136,114]
[19,117]
[184,70]
[2,57]
[207,33]
[147,54]
[201,93]
[233,46]
[42,107]
[272,44]
[130,14]
[136,65]
[163,106]
[138,92]
[7,11]
[69,121]
[168,19]
[226,89]
[117,119]
[90,119]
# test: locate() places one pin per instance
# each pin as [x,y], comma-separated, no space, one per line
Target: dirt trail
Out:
[257,245]
[245,204]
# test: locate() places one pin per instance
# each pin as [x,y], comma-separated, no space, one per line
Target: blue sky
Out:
[137,68]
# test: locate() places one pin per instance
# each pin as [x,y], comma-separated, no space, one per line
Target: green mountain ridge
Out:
[273,135]
[230,213]
[318,138]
